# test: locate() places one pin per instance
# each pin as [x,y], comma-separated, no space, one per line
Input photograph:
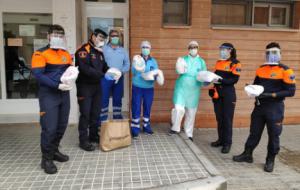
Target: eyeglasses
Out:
[145,47]
[193,47]
[114,36]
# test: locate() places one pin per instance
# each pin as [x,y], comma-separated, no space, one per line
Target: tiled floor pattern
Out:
[244,176]
[150,161]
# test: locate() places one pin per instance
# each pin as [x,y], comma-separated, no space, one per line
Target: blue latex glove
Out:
[206,83]
[108,77]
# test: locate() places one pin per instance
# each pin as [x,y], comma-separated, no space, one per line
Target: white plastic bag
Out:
[254,90]
[115,73]
[160,78]
[181,66]
[207,76]
[150,75]
[70,75]
[138,63]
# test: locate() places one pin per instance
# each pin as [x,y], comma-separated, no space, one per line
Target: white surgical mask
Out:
[193,52]
[100,44]
[58,43]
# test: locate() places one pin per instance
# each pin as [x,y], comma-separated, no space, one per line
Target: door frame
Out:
[18,110]
[110,10]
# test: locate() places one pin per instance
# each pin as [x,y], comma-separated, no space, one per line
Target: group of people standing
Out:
[102,67]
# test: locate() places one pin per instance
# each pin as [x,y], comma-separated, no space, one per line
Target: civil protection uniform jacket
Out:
[92,66]
[278,79]
[48,65]
[230,71]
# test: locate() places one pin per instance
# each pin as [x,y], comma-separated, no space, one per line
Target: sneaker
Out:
[148,130]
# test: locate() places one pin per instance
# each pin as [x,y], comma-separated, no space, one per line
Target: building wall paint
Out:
[170,43]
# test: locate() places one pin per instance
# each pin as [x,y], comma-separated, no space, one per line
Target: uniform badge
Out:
[64,59]
[238,70]
[227,68]
[82,54]
[93,56]
[273,75]
[292,77]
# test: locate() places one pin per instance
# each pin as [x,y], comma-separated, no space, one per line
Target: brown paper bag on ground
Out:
[114,134]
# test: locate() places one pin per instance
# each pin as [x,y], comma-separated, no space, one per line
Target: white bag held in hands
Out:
[160,78]
[254,90]
[70,75]
[150,75]
[115,73]
[139,63]
[207,76]
[181,66]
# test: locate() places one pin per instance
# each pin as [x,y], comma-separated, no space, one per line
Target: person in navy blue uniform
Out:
[92,67]
[229,68]
[48,65]
[279,82]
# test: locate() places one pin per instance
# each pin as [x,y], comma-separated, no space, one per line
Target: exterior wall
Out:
[170,43]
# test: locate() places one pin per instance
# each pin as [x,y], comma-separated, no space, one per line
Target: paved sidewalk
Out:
[244,176]
[159,161]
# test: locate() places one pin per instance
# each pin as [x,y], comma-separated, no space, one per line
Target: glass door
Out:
[108,15]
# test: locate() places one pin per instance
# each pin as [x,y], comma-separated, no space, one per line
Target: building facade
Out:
[169,25]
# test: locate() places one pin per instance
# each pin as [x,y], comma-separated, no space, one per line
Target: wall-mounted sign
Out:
[15,42]
[39,43]
[27,30]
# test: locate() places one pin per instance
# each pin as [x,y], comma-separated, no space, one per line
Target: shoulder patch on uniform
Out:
[82,54]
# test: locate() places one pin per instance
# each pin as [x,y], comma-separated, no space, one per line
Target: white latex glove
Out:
[150,75]
[64,87]
[181,66]
[139,63]
[160,78]
[70,75]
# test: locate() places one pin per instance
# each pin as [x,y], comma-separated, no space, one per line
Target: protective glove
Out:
[151,75]
[267,95]
[64,87]
[206,83]
[108,76]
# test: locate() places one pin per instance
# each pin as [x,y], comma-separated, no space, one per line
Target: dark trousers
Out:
[89,100]
[270,114]
[54,116]
[224,110]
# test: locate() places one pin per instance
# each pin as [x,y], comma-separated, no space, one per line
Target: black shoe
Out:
[48,166]
[95,140]
[246,156]
[191,138]
[87,146]
[269,165]
[58,156]
[216,143]
[171,132]
[226,149]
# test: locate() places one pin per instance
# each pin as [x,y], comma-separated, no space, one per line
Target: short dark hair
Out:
[99,31]
[113,31]
[273,45]
[55,28]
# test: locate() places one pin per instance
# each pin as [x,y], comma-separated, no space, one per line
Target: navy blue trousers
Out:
[54,116]
[270,114]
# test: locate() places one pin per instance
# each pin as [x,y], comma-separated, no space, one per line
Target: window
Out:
[110,1]
[272,13]
[176,12]
[23,33]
